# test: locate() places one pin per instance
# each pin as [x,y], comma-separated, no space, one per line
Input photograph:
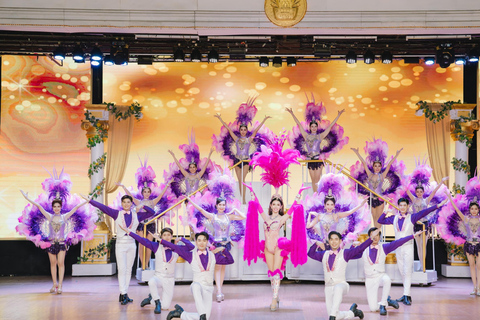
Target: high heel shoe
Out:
[274,306]
[59,290]
[219,297]
[223,297]
[473,293]
[478,291]
[54,288]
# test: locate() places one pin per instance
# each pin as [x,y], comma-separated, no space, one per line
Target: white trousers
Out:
[167,285]
[405,265]
[333,299]
[372,285]
[125,253]
[203,301]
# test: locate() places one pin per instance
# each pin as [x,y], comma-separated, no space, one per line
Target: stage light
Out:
[95,63]
[351,57]
[263,62]
[429,61]
[179,55]
[196,55]
[387,57]
[460,61]
[213,56]
[473,55]
[108,60]
[368,57]
[145,60]
[277,62]
[121,57]
[59,53]
[445,55]
[96,54]
[78,54]
[291,61]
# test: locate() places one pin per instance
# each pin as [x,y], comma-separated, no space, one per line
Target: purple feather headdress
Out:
[58,185]
[421,174]
[191,150]
[222,184]
[314,112]
[145,176]
[377,151]
[246,112]
[332,183]
[472,190]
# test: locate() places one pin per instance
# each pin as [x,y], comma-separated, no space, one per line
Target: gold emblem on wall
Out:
[285,13]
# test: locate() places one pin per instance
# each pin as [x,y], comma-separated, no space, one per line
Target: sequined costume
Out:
[56,234]
[312,142]
[472,241]
[376,185]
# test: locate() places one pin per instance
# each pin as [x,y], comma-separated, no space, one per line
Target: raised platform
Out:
[96,269]
[455,271]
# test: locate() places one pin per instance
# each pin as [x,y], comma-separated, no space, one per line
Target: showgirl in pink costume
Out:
[459,223]
[274,250]
[424,194]
[56,221]
[382,177]
[236,143]
[335,209]
[316,139]
[217,213]
[148,194]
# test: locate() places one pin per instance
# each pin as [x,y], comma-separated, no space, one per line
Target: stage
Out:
[97,298]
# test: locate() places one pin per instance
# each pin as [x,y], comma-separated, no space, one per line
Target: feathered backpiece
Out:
[421,174]
[332,183]
[222,184]
[377,151]
[246,112]
[145,176]
[275,162]
[58,186]
[472,190]
[450,226]
[191,150]
[314,112]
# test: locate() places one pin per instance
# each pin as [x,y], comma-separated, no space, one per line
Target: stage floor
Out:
[97,298]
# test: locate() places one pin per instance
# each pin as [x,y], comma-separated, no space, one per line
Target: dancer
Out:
[55,221]
[125,247]
[57,237]
[374,268]
[203,263]
[275,250]
[335,209]
[464,227]
[403,226]
[316,149]
[164,268]
[335,267]
[419,181]
[146,201]
[375,175]
[243,143]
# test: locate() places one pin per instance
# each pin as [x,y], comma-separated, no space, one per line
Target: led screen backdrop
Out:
[42,107]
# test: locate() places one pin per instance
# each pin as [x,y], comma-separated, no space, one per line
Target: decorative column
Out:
[458,130]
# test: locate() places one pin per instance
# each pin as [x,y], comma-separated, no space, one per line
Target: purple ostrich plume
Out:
[247,111]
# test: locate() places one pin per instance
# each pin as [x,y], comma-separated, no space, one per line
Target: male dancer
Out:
[334,267]
[165,261]
[403,226]
[203,267]
[374,268]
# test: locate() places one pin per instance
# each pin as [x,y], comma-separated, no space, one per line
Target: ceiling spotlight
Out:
[445,55]
[368,57]
[263,62]
[473,55]
[213,56]
[277,62]
[78,54]
[59,53]
[291,61]
[460,61]
[387,57]
[196,55]
[108,60]
[351,57]
[429,61]
[179,55]
[96,54]
[95,63]
[121,56]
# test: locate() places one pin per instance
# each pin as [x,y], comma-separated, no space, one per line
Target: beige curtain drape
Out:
[438,145]
[119,139]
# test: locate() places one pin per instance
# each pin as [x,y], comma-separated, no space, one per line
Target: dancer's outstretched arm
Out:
[232,134]
[300,127]
[341,215]
[392,246]
[207,214]
[71,212]
[365,166]
[311,224]
[356,252]
[254,133]
[254,196]
[460,214]
[290,211]
[42,210]
[387,169]
[160,196]
[183,171]
[239,216]
[419,215]
[430,197]
[327,131]
[135,201]
[200,174]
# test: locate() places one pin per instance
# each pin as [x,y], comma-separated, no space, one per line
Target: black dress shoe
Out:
[124,300]
[356,312]
[203,317]
[332,318]
[158,307]
[408,301]
[177,307]
[146,301]
[392,303]
[120,297]
[127,298]
[383,311]
[174,314]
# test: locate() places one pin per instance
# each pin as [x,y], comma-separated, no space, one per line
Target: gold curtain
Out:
[438,145]
[119,139]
